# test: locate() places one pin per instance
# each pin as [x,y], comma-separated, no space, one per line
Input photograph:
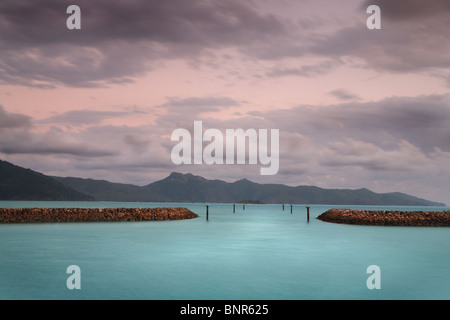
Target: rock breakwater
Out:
[387,218]
[37,215]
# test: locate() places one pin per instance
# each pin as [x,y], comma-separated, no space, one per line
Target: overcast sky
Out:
[355,107]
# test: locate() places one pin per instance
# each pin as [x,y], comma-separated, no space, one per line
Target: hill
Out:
[102,190]
[179,187]
[17,183]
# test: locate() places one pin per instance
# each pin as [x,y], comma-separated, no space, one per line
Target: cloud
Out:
[181,112]
[414,37]
[208,103]
[83,117]
[93,138]
[401,10]
[13,120]
[205,23]
[307,71]
[119,39]
[368,156]
[52,142]
[344,95]
[19,137]
[421,121]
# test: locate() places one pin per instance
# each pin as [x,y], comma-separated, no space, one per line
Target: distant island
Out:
[250,202]
[18,183]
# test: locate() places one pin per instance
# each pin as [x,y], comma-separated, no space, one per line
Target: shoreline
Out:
[387,218]
[55,215]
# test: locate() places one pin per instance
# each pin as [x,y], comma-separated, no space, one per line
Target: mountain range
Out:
[17,183]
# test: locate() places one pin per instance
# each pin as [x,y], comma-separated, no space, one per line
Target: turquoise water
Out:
[260,253]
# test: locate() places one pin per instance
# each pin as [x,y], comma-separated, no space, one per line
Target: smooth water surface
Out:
[261,252]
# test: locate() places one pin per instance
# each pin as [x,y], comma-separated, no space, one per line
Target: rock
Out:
[386,218]
[27,215]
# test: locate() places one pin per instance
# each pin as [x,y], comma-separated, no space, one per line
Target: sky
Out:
[355,107]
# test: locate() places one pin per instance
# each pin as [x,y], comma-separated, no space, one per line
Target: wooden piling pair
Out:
[307,212]
[234,207]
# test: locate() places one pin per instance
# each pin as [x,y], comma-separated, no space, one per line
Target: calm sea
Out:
[261,252]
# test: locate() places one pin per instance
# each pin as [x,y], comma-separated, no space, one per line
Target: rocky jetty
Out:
[387,218]
[36,215]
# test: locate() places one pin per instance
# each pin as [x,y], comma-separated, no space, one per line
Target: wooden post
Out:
[234,207]
[307,213]
[207,212]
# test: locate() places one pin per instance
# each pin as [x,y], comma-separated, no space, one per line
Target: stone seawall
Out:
[387,218]
[37,215]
